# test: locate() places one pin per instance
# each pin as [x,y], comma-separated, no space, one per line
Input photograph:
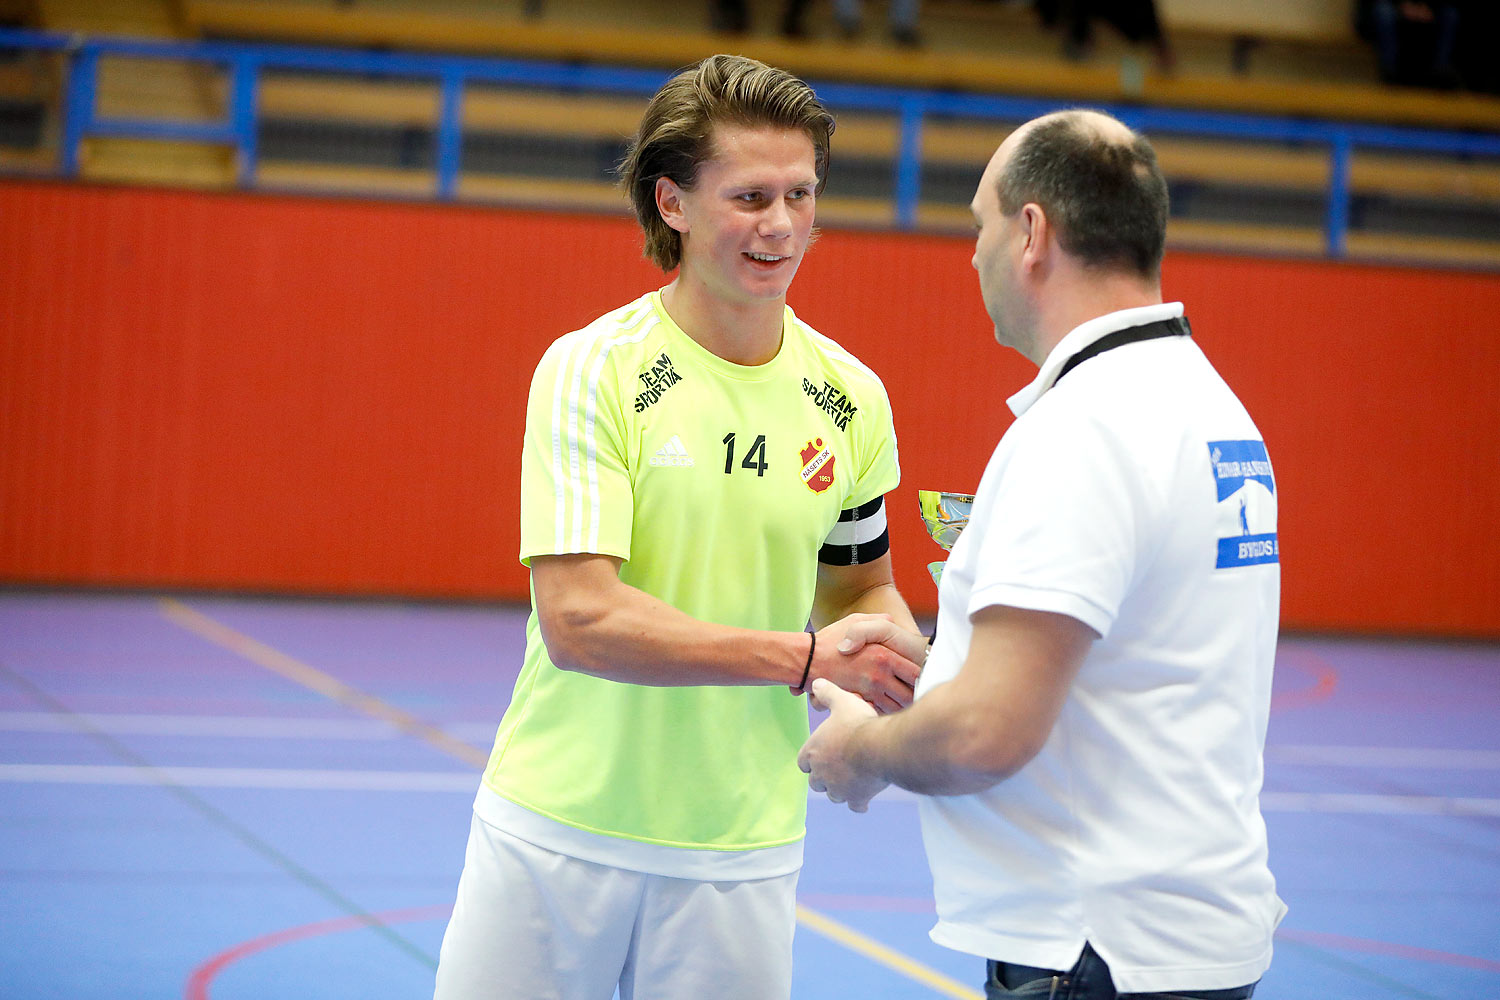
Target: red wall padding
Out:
[300,395]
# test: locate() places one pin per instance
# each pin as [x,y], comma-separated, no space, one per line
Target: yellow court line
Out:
[278,662]
[329,686]
[889,957]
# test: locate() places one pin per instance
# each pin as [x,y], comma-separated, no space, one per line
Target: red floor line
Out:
[201,977]
[1325,681]
[1391,948]
[198,982]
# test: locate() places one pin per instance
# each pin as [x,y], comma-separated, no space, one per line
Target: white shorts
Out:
[536,925]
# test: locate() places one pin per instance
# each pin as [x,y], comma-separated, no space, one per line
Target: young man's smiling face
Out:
[746,222]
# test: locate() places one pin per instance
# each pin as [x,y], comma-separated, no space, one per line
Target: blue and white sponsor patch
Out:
[1248,550]
[1247,503]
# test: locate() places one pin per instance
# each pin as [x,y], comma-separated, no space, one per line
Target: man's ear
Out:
[1036,235]
[669,204]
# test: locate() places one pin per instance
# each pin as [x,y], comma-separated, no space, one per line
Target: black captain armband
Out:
[860,536]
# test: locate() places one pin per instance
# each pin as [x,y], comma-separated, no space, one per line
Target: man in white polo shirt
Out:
[1089,724]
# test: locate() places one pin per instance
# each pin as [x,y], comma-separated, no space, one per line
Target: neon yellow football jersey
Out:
[716,484]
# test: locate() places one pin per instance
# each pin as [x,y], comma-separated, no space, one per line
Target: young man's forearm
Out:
[594,623]
[619,632]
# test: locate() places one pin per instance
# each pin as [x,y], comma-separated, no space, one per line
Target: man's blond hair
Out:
[676,133]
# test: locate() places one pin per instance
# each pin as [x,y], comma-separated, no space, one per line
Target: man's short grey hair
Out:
[1104,193]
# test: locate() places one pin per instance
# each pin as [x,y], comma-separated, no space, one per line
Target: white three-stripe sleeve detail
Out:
[594,374]
[575,459]
[593,545]
[567,473]
[559,481]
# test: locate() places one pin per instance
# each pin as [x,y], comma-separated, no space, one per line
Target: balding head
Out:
[1097,182]
[1085,122]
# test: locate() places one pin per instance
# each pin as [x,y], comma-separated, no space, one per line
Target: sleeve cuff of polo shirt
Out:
[1040,599]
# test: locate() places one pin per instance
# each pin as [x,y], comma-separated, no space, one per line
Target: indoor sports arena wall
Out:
[320,396]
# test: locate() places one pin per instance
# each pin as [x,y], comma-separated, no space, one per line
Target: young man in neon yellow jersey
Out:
[703,474]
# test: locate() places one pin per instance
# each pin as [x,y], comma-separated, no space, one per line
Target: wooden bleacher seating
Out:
[1035,74]
[521,113]
[961,145]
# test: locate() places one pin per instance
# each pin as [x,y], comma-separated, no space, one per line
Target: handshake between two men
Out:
[876,674]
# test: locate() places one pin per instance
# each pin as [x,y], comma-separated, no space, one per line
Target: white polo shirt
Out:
[1136,496]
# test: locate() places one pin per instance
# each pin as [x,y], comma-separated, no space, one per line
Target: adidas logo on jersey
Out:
[672,453]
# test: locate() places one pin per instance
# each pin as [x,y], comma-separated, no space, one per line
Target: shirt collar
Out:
[1082,336]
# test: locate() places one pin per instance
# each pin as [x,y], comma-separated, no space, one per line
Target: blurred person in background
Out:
[733,16]
[1135,20]
[901,15]
[1415,40]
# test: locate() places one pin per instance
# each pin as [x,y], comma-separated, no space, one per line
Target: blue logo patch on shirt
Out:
[1247,503]
[1238,461]
[1248,550]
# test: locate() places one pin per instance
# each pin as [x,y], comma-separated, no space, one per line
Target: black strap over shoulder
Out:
[1177,326]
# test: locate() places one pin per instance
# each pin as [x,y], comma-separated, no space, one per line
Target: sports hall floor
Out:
[233,798]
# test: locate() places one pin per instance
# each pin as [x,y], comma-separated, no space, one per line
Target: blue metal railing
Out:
[246,62]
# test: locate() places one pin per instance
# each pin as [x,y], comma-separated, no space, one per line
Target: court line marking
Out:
[1353,802]
[253,727]
[325,684]
[197,984]
[197,988]
[308,676]
[1325,956]
[329,779]
[1371,946]
[1317,802]
[141,766]
[280,779]
[1325,680]
[272,727]
[228,726]
[890,958]
[1436,758]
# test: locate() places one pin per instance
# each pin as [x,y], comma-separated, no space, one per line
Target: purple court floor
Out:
[234,798]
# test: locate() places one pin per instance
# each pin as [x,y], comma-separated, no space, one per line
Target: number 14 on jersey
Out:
[755,458]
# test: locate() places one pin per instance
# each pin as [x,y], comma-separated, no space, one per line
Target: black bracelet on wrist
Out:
[802,684]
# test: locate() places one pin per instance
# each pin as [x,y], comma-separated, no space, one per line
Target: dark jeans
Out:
[1087,980]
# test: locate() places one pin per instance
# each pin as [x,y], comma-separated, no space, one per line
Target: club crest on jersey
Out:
[817,466]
